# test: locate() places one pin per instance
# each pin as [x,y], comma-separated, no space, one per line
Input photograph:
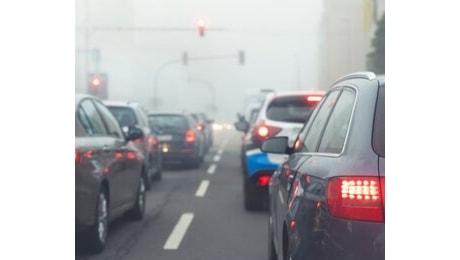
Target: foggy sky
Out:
[279,38]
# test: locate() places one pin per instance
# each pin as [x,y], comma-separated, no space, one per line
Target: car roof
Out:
[80,96]
[294,93]
[120,103]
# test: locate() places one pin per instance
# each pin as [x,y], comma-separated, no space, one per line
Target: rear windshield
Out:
[167,123]
[124,115]
[293,109]
[378,136]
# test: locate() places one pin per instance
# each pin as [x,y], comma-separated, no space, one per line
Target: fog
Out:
[280,41]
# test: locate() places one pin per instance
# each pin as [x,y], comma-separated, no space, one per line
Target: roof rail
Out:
[369,75]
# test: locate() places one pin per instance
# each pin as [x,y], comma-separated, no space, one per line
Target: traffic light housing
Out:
[97,85]
[201,27]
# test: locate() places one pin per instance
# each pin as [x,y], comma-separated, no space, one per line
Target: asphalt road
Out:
[193,214]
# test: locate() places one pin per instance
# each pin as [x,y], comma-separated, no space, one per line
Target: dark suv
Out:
[133,114]
[327,200]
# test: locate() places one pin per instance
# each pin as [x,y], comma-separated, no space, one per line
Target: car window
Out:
[378,136]
[113,126]
[84,127]
[318,122]
[293,109]
[168,121]
[90,118]
[333,139]
[124,115]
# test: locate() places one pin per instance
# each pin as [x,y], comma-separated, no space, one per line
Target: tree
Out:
[376,58]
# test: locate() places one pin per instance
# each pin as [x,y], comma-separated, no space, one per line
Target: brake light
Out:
[77,156]
[263,180]
[313,100]
[199,127]
[153,140]
[357,198]
[263,131]
[190,136]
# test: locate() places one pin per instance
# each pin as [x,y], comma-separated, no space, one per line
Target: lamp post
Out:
[156,99]
[212,91]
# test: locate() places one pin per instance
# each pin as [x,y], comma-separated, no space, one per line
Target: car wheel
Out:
[97,234]
[137,212]
[147,176]
[159,173]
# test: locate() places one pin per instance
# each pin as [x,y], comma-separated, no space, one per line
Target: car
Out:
[180,138]
[327,200]
[205,125]
[281,113]
[108,172]
[129,113]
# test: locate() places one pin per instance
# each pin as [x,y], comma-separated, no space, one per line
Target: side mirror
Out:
[277,144]
[242,126]
[133,133]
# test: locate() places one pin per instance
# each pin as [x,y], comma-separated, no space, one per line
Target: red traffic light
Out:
[201,27]
[96,82]
[97,85]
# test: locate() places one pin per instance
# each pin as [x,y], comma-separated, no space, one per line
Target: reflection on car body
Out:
[327,201]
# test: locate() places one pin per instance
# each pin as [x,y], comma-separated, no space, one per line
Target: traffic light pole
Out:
[156,99]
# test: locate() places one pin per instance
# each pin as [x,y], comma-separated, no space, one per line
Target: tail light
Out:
[77,156]
[263,131]
[313,100]
[153,140]
[263,180]
[199,127]
[357,198]
[190,136]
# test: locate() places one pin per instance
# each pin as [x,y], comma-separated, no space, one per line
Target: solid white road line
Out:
[202,188]
[216,158]
[212,168]
[178,232]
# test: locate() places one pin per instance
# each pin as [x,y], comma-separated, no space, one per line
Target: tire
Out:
[147,178]
[251,196]
[159,173]
[138,210]
[97,234]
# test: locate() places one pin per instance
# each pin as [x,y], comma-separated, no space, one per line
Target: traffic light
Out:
[97,85]
[201,27]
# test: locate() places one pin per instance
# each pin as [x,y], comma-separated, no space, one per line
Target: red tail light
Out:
[77,156]
[357,198]
[190,136]
[263,180]
[199,127]
[263,131]
[153,140]
[313,100]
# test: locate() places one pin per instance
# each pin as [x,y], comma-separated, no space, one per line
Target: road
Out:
[194,215]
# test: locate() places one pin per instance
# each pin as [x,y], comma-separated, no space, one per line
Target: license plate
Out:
[164,138]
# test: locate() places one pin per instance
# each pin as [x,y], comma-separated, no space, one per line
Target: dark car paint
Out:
[293,199]
[178,149]
[151,152]
[104,164]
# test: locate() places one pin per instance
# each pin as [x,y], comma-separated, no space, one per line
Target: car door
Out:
[129,172]
[310,131]
[107,146]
